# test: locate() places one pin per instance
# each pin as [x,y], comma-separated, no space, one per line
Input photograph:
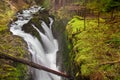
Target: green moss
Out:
[75,25]
[13,46]
[9,72]
[5,19]
[46,4]
[3,27]
[92,47]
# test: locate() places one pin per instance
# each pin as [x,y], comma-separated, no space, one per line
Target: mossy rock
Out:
[37,20]
[13,46]
[28,28]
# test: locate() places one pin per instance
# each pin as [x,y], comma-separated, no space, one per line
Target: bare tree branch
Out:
[110,62]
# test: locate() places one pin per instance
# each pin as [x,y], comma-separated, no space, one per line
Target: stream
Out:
[42,51]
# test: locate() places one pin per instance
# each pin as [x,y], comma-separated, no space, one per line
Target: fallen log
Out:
[32,64]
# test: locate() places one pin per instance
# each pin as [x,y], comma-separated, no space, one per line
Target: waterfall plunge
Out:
[39,55]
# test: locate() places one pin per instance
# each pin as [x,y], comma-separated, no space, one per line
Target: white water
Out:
[45,57]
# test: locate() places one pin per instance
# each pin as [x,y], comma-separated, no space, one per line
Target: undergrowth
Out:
[92,47]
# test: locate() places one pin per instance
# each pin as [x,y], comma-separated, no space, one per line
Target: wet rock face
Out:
[36,20]
[28,28]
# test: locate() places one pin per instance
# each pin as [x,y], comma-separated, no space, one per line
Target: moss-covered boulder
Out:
[37,19]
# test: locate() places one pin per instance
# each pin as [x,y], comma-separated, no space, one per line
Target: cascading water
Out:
[45,57]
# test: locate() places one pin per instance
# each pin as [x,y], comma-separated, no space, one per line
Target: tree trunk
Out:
[98,18]
[84,17]
[32,64]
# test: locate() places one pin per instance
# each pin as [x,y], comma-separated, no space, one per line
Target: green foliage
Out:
[46,4]
[9,72]
[104,5]
[92,47]
[5,19]
[112,4]
[115,42]
[75,22]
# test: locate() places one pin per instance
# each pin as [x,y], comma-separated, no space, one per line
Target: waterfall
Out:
[43,52]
